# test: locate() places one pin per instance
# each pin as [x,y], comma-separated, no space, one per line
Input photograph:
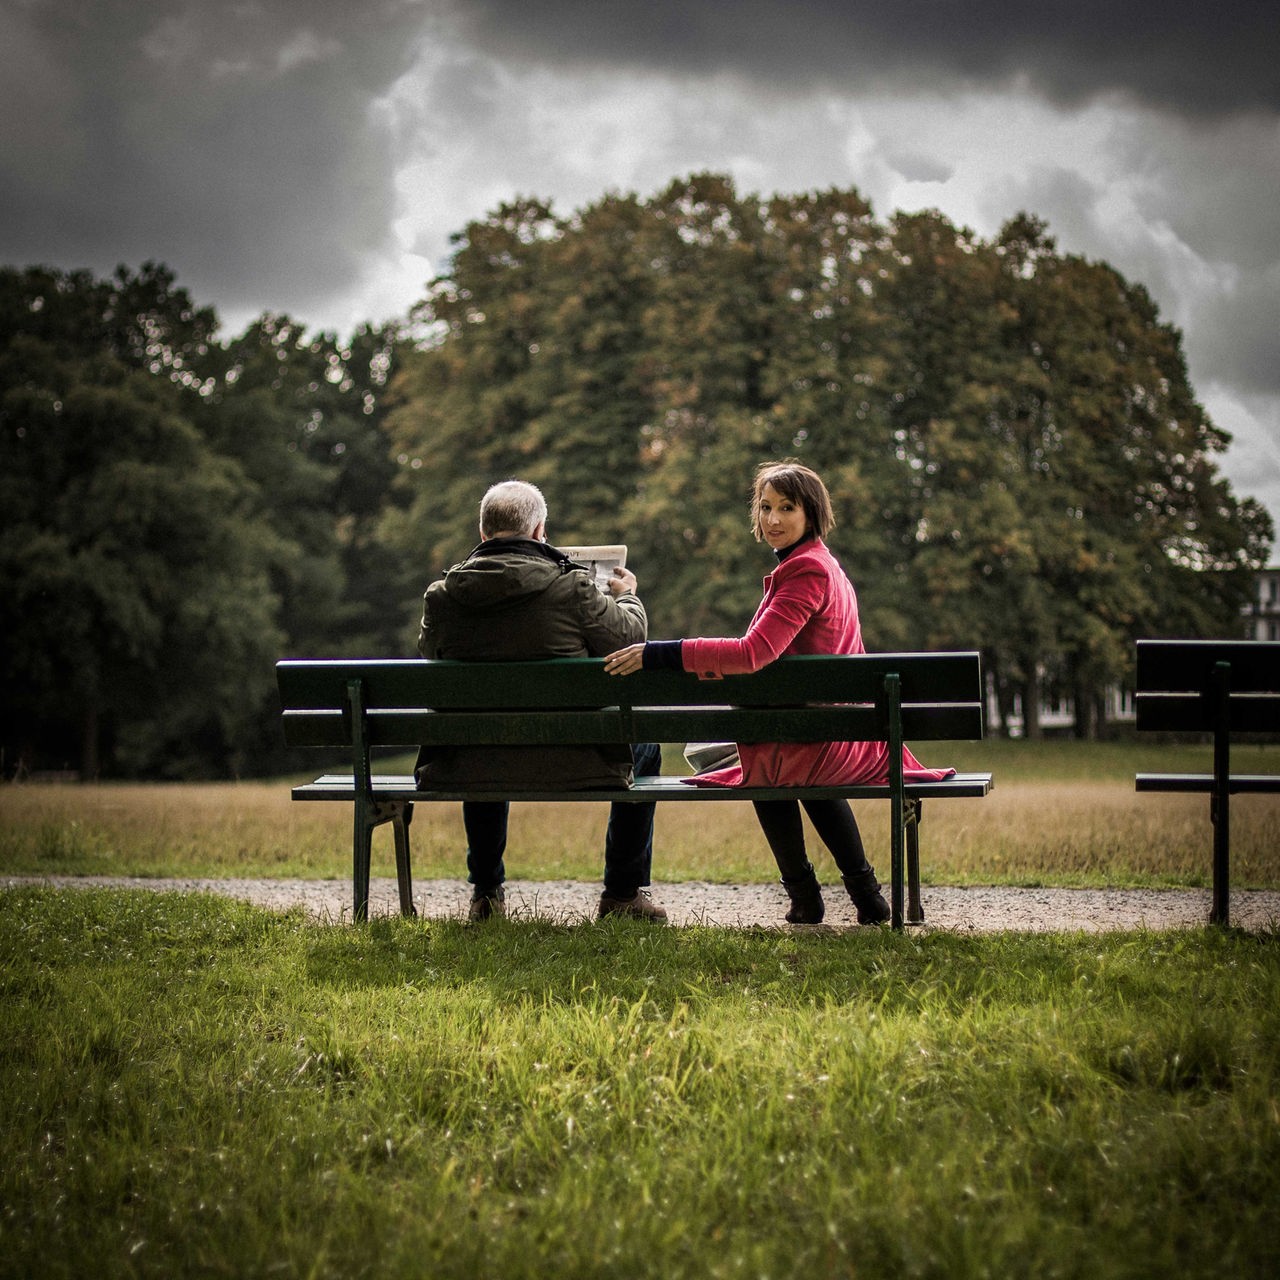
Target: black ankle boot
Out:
[806,900]
[864,889]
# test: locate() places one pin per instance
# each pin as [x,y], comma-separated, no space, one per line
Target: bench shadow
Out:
[589,962]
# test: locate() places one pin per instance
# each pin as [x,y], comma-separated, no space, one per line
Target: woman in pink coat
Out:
[809,606]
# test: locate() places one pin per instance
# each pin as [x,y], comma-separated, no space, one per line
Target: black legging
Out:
[835,824]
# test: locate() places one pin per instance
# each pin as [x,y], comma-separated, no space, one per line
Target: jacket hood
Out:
[499,574]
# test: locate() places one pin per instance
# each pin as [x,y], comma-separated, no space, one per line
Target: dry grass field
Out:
[1065,815]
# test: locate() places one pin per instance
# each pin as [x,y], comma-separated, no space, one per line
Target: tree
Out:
[831,389]
[708,339]
[302,415]
[463,405]
[1067,500]
[133,593]
[1016,455]
[637,361]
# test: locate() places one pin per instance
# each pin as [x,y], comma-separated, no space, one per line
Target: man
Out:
[515,597]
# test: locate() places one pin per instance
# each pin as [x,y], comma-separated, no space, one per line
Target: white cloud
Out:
[472,131]
[1252,460]
[303,48]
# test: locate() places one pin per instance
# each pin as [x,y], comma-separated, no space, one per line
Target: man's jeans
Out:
[628,841]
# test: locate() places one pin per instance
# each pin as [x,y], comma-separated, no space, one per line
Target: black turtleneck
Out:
[783,552]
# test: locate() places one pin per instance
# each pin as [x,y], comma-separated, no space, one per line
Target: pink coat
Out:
[809,606]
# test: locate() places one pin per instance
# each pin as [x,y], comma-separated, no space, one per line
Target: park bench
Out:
[1218,687]
[359,705]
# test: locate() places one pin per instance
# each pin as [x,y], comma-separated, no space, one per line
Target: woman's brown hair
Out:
[800,484]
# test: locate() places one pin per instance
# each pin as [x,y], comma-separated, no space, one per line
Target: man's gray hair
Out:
[512,507]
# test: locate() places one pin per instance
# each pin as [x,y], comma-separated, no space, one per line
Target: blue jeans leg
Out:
[485,822]
[628,842]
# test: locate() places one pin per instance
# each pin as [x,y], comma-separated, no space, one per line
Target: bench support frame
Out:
[1217,687]
[394,702]
[372,812]
[1220,800]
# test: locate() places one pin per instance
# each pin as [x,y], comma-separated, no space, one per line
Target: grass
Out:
[196,1087]
[1062,813]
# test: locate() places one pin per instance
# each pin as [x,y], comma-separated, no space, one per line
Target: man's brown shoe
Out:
[642,906]
[486,905]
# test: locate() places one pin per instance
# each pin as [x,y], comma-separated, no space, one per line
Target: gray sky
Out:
[313,156]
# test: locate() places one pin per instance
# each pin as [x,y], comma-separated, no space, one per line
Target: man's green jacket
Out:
[514,599]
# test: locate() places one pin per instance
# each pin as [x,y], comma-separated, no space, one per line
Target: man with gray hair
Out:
[516,597]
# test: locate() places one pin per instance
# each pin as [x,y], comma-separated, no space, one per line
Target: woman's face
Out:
[782,520]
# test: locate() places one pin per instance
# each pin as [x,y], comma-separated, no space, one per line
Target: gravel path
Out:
[974,910]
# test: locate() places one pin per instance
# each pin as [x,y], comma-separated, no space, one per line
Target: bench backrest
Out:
[408,702]
[1204,685]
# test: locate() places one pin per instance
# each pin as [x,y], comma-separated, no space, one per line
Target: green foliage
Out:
[198,1087]
[127,574]
[301,414]
[177,514]
[1017,458]
[1064,489]
[1016,455]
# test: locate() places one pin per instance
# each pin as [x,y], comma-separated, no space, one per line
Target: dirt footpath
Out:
[974,910]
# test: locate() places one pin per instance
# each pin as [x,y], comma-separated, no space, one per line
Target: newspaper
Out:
[703,757]
[600,562]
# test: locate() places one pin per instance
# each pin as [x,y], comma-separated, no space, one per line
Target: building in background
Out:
[1264,614]
[1057,711]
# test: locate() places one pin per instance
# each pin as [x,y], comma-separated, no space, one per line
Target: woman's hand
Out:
[625,662]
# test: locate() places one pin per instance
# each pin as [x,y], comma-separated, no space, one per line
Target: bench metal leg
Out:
[400,821]
[897,856]
[915,912]
[361,856]
[1220,816]
[1220,801]
[368,816]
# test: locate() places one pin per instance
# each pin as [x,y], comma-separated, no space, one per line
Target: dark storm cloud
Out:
[1184,56]
[231,140]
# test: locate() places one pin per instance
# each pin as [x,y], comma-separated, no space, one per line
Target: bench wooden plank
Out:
[1186,665]
[1197,712]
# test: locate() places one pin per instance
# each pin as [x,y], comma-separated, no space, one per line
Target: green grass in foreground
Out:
[193,1086]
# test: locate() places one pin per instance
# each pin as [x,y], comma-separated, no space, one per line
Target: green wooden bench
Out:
[358,705]
[1219,687]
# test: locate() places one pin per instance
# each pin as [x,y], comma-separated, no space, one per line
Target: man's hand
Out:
[625,662]
[622,582]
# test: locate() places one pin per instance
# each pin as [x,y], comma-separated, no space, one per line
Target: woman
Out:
[809,606]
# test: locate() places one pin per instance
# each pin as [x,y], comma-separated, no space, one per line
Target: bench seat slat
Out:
[401,787]
[1241,783]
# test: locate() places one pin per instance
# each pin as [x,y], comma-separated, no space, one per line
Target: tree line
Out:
[178,513]
[1017,458]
